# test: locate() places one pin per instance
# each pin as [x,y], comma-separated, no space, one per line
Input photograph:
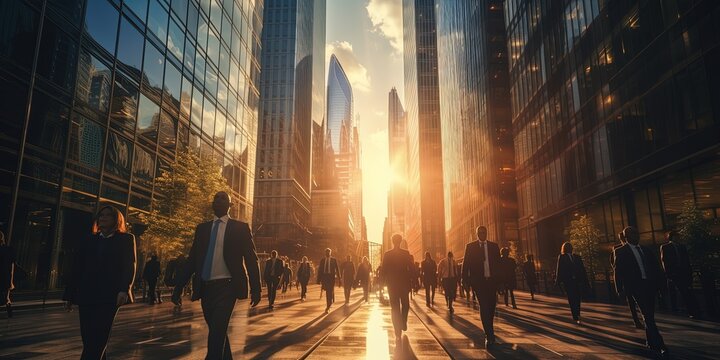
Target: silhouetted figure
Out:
[328,271]
[507,271]
[449,275]
[7,273]
[303,277]
[678,271]
[481,269]
[151,272]
[707,281]
[638,273]
[171,270]
[429,276]
[101,279]
[347,273]
[572,277]
[629,299]
[286,278]
[398,272]
[363,277]
[531,279]
[221,252]
[416,276]
[274,270]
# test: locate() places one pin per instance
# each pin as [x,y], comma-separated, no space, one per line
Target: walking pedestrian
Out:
[347,274]
[678,271]
[327,273]
[151,272]
[303,277]
[363,277]
[101,279]
[274,270]
[222,262]
[447,271]
[507,271]
[398,272]
[632,305]
[429,276]
[481,269]
[530,275]
[7,272]
[286,278]
[571,275]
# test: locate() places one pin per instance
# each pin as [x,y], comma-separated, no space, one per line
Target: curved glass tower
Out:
[339,107]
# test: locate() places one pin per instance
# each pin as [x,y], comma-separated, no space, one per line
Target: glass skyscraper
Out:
[397,150]
[98,97]
[425,219]
[616,115]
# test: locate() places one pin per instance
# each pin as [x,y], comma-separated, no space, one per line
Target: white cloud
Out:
[355,71]
[386,18]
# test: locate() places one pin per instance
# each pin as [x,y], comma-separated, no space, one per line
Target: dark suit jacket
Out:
[473,269]
[328,279]
[347,271]
[530,274]
[102,268]
[279,270]
[363,274]
[238,248]
[7,267]
[151,271]
[676,262]
[398,268]
[303,273]
[628,278]
[429,272]
[571,271]
[508,277]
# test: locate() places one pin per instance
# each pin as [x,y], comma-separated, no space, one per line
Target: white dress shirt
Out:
[219,268]
[446,271]
[483,245]
[636,251]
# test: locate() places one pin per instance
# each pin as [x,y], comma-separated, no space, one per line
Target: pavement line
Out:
[177,343]
[430,331]
[309,351]
[148,341]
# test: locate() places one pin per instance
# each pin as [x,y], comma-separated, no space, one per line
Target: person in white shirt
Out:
[447,271]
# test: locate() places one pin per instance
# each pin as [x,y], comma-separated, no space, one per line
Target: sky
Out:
[366,37]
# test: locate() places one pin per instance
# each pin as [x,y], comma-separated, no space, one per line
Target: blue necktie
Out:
[207,265]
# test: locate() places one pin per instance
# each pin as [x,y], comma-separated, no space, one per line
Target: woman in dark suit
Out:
[101,279]
[508,276]
[572,276]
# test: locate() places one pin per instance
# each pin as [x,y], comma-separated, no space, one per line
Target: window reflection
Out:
[139,7]
[101,21]
[208,124]
[185,98]
[57,58]
[148,118]
[175,40]
[93,83]
[48,124]
[18,33]
[130,47]
[153,70]
[197,103]
[173,80]
[168,130]
[117,158]
[220,122]
[158,20]
[124,105]
[143,167]
[86,142]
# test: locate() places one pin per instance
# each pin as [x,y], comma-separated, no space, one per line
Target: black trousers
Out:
[450,289]
[429,290]
[574,295]
[675,287]
[218,301]
[366,290]
[531,287]
[486,294]
[329,287]
[152,286]
[509,292]
[348,289]
[96,321]
[645,298]
[272,285]
[399,307]
[303,287]
[633,308]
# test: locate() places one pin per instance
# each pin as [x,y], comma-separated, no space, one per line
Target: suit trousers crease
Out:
[272,286]
[450,289]
[95,324]
[399,307]
[329,292]
[218,301]
[572,290]
[486,295]
[645,298]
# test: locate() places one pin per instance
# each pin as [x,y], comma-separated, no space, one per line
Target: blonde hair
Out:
[120,220]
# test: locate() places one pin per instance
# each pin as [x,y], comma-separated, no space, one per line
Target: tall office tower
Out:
[425,215]
[397,133]
[478,156]
[291,42]
[615,116]
[117,90]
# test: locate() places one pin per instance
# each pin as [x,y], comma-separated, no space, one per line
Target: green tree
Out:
[585,237]
[695,231]
[182,200]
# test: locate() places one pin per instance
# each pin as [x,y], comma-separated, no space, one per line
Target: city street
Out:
[295,329]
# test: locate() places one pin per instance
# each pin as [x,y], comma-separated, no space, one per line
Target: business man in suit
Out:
[637,273]
[221,252]
[274,269]
[398,268]
[481,269]
[328,271]
[630,301]
[429,276]
[676,263]
[303,277]
[571,275]
[347,273]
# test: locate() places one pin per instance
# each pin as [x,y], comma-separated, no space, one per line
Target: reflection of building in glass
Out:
[425,215]
[478,156]
[106,117]
[288,93]
[613,116]
[397,133]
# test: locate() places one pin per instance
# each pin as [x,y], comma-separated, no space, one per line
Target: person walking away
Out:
[274,269]
[303,277]
[347,272]
[481,269]
[7,273]
[508,266]
[101,279]
[398,272]
[286,277]
[628,299]
[151,273]
[448,274]
[327,273]
[678,271]
[363,277]
[224,267]
[571,275]
[531,279]
[638,273]
[429,276]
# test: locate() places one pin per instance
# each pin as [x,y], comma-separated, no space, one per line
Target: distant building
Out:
[397,134]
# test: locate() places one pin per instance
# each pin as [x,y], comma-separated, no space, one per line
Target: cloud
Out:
[386,18]
[355,71]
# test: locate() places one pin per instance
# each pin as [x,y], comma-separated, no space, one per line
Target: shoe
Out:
[451,310]
[271,307]
[578,322]
[489,342]
[327,309]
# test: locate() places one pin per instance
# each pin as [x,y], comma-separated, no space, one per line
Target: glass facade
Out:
[290,41]
[478,159]
[397,140]
[425,220]
[616,114]
[98,102]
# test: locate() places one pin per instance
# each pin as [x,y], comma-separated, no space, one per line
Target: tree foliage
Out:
[695,231]
[585,237]
[183,199]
